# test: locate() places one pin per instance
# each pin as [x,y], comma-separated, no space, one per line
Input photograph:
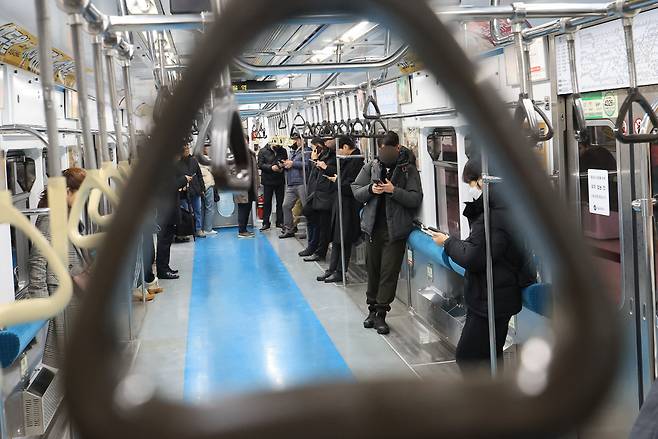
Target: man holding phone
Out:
[391,190]
[191,198]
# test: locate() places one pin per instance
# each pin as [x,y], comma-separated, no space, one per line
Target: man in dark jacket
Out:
[508,262]
[296,168]
[195,190]
[391,190]
[167,219]
[350,209]
[270,163]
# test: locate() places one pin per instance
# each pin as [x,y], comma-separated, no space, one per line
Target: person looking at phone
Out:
[391,190]
[295,167]
[191,198]
[510,266]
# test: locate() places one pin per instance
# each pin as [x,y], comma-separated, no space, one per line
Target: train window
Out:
[602,231]
[442,147]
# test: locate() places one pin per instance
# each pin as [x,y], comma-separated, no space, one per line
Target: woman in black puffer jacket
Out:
[509,264]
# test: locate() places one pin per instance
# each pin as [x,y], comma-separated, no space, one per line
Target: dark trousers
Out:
[268,193]
[335,264]
[148,256]
[384,262]
[312,234]
[323,224]
[165,238]
[473,346]
[244,210]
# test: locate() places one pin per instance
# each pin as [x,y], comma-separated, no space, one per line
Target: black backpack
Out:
[186,221]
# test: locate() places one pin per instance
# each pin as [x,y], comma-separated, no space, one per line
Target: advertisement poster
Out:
[411,139]
[19,48]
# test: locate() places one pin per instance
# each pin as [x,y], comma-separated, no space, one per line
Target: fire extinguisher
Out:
[259,206]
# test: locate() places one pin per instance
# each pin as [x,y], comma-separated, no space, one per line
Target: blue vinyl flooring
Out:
[251,329]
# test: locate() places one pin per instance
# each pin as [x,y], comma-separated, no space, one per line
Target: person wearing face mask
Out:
[270,162]
[312,231]
[295,188]
[320,200]
[508,263]
[391,190]
[351,208]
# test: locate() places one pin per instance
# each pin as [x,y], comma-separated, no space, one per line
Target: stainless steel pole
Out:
[487,180]
[517,28]
[340,221]
[101,104]
[122,154]
[83,95]
[161,56]
[48,85]
[129,109]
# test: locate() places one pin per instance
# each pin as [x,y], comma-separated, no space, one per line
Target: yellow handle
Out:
[28,310]
[107,172]
[94,180]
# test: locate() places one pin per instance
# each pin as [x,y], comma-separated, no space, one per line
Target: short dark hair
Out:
[472,170]
[346,140]
[317,141]
[391,139]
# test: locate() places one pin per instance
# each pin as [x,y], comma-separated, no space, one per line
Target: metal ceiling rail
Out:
[349,67]
[535,399]
[463,13]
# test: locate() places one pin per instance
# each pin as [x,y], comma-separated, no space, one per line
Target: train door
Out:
[442,146]
[601,186]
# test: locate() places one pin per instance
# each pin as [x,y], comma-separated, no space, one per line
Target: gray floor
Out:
[411,350]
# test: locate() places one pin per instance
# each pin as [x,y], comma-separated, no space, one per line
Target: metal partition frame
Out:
[538,398]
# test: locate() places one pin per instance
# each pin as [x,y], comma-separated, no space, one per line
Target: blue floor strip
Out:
[250,327]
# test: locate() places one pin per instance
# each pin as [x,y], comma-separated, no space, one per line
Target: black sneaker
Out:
[369,322]
[287,235]
[265,227]
[306,252]
[324,276]
[246,235]
[380,323]
[334,278]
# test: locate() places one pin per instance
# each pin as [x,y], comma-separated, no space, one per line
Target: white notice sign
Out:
[599,194]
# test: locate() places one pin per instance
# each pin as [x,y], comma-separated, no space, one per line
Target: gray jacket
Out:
[401,206]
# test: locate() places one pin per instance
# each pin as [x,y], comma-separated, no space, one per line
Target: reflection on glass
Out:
[442,147]
[601,229]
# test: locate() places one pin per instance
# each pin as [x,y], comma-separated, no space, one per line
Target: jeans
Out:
[293,193]
[244,210]
[268,193]
[196,205]
[384,262]
[209,213]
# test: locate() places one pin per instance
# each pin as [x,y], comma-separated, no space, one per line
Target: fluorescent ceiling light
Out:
[321,55]
[357,32]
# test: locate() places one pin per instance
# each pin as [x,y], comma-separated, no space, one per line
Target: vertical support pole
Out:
[517,28]
[129,109]
[101,104]
[56,182]
[122,154]
[340,219]
[83,95]
[487,180]
[161,56]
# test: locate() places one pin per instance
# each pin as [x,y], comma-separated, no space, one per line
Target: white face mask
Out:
[475,192]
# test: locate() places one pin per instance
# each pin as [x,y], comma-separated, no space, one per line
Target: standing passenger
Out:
[245,200]
[391,190]
[270,163]
[195,189]
[351,208]
[312,227]
[209,196]
[508,273]
[320,203]
[295,188]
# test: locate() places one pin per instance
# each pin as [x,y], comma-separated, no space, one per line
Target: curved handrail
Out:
[634,96]
[109,172]
[27,310]
[94,180]
[227,135]
[537,398]
[203,134]
[528,110]
[26,129]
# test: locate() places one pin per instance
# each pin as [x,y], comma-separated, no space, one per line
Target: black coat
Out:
[268,157]
[508,260]
[318,186]
[190,166]
[349,170]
